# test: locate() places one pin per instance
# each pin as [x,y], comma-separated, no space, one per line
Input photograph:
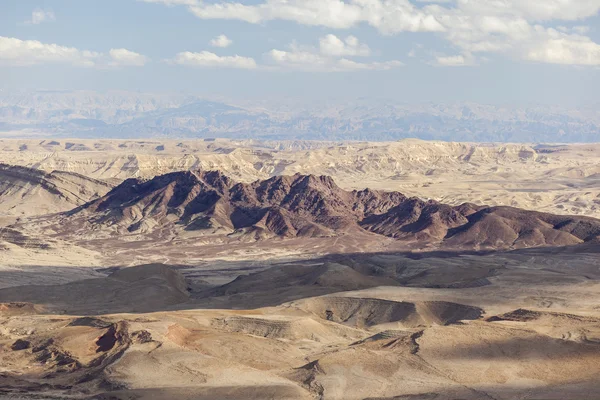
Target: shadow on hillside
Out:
[154,288]
[587,390]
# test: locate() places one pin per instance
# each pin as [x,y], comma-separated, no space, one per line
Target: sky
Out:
[487,51]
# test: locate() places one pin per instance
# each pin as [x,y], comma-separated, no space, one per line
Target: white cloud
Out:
[38,16]
[349,65]
[233,11]
[19,52]
[451,61]
[507,27]
[533,10]
[330,56]
[560,48]
[485,27]
[207,59]
[30,52]
[124,57]
[307,61]
[300,61]
[459,60]
[331,45]
[389,16]
[221,41]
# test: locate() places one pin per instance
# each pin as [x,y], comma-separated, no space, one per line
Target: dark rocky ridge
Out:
[314,206]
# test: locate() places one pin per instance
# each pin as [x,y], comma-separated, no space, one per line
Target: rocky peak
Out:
[308,205]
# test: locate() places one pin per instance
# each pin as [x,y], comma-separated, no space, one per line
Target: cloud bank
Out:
[207,59]
[518,29]
[17,52]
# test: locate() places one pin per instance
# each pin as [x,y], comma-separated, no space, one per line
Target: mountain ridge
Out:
[209,202]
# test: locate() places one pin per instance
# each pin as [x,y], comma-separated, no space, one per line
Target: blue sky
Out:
[489,51]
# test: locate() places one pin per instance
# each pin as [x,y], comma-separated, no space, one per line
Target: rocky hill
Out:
[209,203]
[28,191]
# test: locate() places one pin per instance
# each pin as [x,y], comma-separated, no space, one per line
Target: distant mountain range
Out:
[135,115]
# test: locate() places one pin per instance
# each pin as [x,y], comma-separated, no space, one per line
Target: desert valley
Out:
[229,269]
[300,200]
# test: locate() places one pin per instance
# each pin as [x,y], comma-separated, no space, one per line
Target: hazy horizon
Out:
[126,114]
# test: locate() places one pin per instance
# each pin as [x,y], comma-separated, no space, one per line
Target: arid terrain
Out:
[561,179]
[220,269]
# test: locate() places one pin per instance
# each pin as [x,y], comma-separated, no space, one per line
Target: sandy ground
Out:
[517,325]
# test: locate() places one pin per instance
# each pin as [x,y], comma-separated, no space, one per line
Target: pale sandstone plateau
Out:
[243,269]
